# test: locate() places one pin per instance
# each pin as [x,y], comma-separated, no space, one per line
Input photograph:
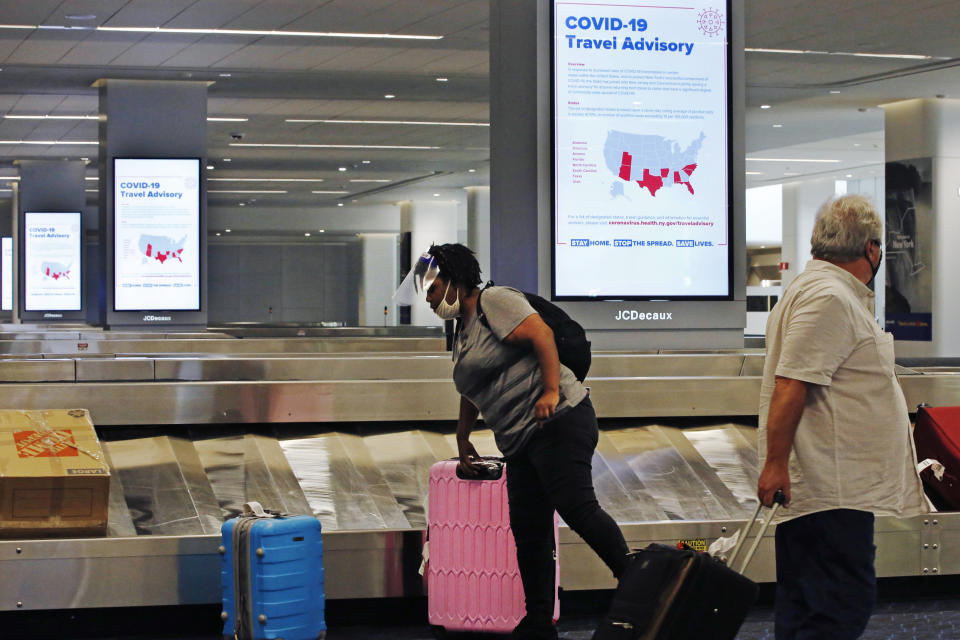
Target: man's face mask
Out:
[874,268]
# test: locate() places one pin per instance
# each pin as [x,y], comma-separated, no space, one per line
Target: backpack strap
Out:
[481,316]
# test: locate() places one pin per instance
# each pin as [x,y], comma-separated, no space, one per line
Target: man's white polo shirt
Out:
[853,447]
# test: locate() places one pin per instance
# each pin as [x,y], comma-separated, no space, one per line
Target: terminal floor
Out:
[907,608]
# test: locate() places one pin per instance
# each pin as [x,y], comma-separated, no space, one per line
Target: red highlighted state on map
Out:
[651,182]
[648,160]
[625,166]
[161,248]
[681,177]
[55,270]
[654,183]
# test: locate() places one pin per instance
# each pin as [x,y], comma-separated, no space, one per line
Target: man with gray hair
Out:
[834,430]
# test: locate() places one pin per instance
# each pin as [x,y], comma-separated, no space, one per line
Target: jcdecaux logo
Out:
[633,314]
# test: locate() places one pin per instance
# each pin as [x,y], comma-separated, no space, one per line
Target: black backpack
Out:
[572,344]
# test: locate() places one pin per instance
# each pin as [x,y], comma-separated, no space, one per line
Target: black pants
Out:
[553,471]
[826,585]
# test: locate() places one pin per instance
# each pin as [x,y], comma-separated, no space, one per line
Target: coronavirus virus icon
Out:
[710,22]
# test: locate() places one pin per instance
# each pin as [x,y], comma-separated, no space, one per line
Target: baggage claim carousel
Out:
[345,423]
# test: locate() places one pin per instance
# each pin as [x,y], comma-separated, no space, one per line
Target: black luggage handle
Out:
[488,468]
[778,499]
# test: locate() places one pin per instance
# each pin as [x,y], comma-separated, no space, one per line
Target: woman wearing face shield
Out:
[541,417]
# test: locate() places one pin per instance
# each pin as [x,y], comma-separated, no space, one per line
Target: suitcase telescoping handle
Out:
[778,499]
[488,468]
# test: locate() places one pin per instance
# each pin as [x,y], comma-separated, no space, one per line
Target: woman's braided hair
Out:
[458,265]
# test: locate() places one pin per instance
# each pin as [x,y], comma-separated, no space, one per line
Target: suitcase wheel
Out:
[439,632]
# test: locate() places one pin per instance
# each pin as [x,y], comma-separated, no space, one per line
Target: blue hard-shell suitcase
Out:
[272,577]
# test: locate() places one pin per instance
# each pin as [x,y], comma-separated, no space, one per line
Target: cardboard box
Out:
[54,478]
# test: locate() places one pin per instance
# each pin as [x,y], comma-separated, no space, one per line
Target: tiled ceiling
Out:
[817,99]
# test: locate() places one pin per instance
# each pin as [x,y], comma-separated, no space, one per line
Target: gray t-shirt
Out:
[502,381]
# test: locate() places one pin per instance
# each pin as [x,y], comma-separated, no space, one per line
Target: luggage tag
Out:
[254,509]
[424,557]
[938,468]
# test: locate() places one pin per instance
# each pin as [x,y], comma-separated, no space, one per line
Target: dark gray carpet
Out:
[912,610]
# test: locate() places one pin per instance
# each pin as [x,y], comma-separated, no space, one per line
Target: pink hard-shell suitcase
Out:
[473,583]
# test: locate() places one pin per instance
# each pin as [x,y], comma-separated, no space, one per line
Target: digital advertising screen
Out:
[6,274]
[52,276]
[156,234]
[641,151]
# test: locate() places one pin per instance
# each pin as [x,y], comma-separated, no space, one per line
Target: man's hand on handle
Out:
[774,477]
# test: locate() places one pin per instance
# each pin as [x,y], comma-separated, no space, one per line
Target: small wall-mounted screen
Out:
[6,274]
[156,234]
[52,274]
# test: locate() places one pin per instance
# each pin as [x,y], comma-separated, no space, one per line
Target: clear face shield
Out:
[418,280]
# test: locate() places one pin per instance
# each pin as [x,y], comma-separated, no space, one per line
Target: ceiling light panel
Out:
[48,116]
[246,191]
[270,33]
[50,143]
[810,52]
[281,145]
[55,116]
[265,180]
[788,160]
[434,123]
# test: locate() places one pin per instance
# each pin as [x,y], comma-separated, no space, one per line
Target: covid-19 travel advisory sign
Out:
[156,234]
[641,151]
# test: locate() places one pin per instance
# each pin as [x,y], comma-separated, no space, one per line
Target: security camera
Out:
[237,135]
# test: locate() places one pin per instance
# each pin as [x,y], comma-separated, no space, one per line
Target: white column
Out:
[478,226]
[428,223]
[801,201]
[379,279]
[788,248]
[873,188]
[946,257]
[931,129]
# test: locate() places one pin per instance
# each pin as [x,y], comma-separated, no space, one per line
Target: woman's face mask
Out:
[448,310]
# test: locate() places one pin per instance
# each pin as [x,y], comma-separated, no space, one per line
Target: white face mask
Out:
[446,310]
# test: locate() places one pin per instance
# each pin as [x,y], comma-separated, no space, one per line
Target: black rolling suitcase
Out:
[680,594]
